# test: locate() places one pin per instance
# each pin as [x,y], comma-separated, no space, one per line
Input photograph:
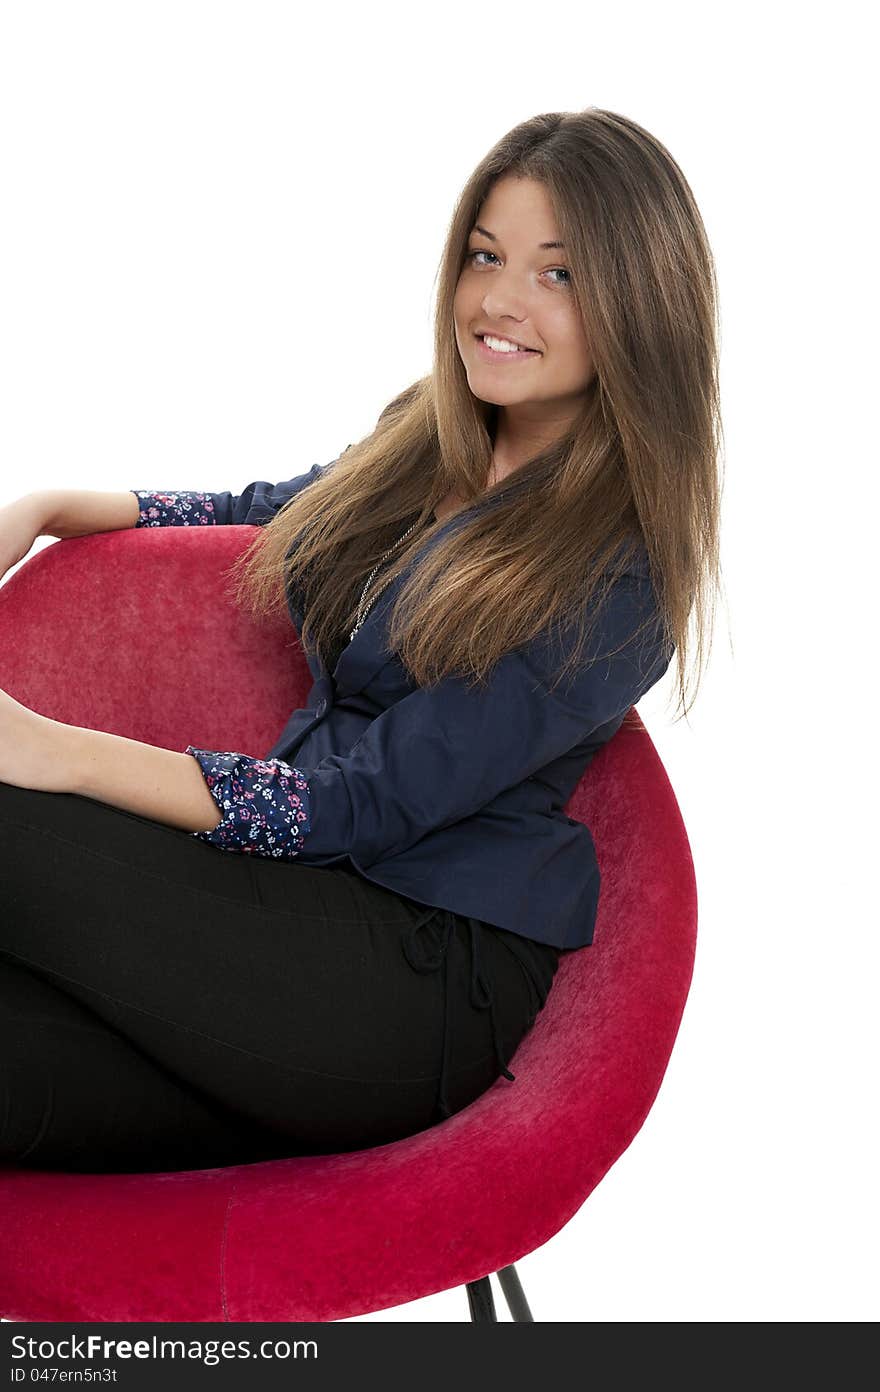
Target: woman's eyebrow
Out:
[542,246]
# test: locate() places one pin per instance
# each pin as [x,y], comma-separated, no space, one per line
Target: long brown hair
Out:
[638,468]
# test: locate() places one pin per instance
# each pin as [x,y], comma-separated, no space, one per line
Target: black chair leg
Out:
[482,1304]
[480,1300]
[514,1294]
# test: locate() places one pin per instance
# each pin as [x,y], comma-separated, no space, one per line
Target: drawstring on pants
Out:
[480,987]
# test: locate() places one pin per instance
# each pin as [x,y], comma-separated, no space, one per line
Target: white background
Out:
[221,226]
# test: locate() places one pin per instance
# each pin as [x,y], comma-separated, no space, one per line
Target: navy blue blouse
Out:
[521,862]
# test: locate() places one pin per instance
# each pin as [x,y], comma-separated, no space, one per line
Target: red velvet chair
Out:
[120,632]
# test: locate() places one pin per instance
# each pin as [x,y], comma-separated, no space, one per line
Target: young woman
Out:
[219,956]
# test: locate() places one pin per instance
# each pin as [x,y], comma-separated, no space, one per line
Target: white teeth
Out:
[501,345]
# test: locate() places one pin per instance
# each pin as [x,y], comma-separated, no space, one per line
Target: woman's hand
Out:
[30,748]
[20,524]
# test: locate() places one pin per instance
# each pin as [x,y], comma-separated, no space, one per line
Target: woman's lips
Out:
[491,355]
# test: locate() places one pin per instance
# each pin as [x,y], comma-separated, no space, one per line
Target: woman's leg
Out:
[76,1095]
[271,999]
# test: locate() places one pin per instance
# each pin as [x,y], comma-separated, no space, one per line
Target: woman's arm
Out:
[65,512]
[254,506]
[52,757]
[157,783]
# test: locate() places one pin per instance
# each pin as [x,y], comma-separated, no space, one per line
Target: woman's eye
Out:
[555,270]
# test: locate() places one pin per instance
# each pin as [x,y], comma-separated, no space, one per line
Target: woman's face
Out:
[513,287]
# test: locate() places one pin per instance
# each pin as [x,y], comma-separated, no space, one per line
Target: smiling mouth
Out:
[501,355]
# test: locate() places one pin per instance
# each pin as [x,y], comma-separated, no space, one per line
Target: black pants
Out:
[168,1005]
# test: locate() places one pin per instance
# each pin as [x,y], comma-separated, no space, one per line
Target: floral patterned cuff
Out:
[179,509]
[265,803]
